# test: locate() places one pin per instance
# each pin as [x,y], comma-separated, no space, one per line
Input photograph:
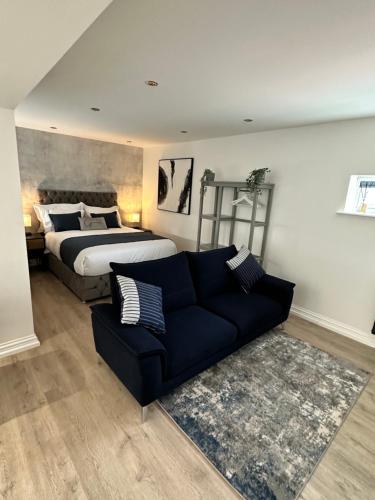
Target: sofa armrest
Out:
[277,289]
[132,352]
[139,341]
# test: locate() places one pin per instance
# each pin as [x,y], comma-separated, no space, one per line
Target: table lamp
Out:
[27,223]
[134,217]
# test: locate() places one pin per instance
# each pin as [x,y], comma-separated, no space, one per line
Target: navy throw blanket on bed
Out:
[71,247]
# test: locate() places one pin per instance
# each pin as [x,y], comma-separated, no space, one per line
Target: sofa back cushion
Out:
[171,274]
[211,275]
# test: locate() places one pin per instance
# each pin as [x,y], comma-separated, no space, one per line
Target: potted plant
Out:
[255,178]
[208,175]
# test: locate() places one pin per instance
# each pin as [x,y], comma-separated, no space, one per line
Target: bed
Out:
[80,259]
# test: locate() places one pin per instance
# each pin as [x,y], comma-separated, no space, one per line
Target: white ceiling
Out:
[34,34]
[281,62]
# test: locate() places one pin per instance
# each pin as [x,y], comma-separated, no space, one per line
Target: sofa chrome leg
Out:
[144,412]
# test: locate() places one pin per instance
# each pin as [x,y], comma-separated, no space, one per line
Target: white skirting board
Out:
[331,324]
[18,345]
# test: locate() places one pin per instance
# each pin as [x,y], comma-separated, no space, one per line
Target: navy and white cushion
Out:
[110,218]
[245,268]
[92,224]
[141,304]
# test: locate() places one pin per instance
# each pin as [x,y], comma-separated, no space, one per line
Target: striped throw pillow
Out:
[246,269]
[141,304]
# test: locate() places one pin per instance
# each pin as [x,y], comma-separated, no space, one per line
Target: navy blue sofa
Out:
[207,317]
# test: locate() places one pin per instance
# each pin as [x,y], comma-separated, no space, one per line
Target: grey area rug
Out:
[265,415]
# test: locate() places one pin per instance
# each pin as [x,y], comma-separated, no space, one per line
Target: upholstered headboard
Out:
[93,198]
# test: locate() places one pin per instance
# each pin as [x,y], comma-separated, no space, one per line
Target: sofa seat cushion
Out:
[252,313]
[192,335]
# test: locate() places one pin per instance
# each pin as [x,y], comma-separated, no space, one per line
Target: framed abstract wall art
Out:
[175,183]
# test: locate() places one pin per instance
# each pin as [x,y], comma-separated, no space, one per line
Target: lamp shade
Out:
[134,217]
[27,220]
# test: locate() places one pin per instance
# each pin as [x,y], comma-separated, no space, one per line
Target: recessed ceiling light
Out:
[248,120]
[151,83]
[53,128]
[95,109]
[183,131]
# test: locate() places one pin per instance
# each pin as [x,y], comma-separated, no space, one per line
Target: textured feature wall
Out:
[56,161]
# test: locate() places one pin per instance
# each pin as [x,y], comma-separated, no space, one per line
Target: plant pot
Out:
[261,179]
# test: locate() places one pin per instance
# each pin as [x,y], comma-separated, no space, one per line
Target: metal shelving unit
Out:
[217,217]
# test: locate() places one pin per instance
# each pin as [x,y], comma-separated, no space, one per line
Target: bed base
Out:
[85,287]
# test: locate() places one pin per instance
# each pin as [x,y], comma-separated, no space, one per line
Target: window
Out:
[361,195]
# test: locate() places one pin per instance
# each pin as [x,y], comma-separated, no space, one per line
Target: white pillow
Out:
[42,212]
[101,210]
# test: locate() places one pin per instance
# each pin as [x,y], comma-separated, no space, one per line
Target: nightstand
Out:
[35,249]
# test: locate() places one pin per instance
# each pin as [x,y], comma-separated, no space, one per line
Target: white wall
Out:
[45,30]
[16,320]
[329,256]
[34,35]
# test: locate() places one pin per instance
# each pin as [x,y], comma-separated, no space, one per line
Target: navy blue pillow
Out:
[141,304]
[110,219]
[211,275]
[171,274]
[246,269]
[66,222]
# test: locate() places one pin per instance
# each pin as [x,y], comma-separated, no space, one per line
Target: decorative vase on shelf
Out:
[363,208]
[208,176]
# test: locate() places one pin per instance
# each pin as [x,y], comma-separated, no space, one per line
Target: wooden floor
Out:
[69,429]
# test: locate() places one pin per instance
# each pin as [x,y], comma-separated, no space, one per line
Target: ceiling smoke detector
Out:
[53,128]
[95,109]
[183,131]
[248,120]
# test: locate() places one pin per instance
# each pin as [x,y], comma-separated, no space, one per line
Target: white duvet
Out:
[94,261]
